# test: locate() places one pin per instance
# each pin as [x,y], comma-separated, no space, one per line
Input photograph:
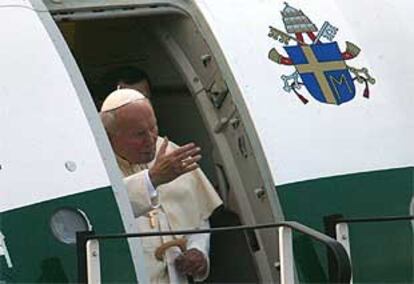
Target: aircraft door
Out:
[241,182]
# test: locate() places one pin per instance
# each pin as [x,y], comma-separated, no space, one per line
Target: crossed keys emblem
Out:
[319,63]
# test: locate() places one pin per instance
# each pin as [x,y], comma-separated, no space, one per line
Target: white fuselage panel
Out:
[47,149]
[303,142]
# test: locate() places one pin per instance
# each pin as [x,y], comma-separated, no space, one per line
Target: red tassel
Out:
[366,92]
[302,98]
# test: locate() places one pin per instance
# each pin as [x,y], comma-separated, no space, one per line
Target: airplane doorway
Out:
[100,46]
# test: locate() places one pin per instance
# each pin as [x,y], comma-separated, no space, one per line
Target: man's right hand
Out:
[168,167]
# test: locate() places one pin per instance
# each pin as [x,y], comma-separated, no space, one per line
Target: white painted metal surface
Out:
[47,149]
[287,273]
[16,3]
[342,236]
[93,263]
[115,176]
[357,136]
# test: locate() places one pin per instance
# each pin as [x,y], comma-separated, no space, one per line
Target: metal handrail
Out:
[340,256]
[336,226]
[374,219]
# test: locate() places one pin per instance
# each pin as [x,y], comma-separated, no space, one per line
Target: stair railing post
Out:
[287,274]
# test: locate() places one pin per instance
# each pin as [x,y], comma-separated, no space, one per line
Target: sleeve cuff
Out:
[152,192]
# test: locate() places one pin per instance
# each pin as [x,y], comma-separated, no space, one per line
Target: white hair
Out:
[108,119]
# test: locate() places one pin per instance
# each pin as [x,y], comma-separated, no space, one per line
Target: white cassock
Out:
[183,204]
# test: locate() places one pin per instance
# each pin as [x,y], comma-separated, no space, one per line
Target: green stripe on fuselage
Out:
[39,257]
[381,252]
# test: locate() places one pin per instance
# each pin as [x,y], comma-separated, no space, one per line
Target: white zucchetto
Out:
[119,98]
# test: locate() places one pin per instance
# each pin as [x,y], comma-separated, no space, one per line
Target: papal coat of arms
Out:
[320,65]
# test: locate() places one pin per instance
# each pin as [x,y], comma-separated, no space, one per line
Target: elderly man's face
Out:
[137,132]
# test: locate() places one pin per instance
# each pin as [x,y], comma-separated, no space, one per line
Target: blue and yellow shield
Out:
[323,71]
